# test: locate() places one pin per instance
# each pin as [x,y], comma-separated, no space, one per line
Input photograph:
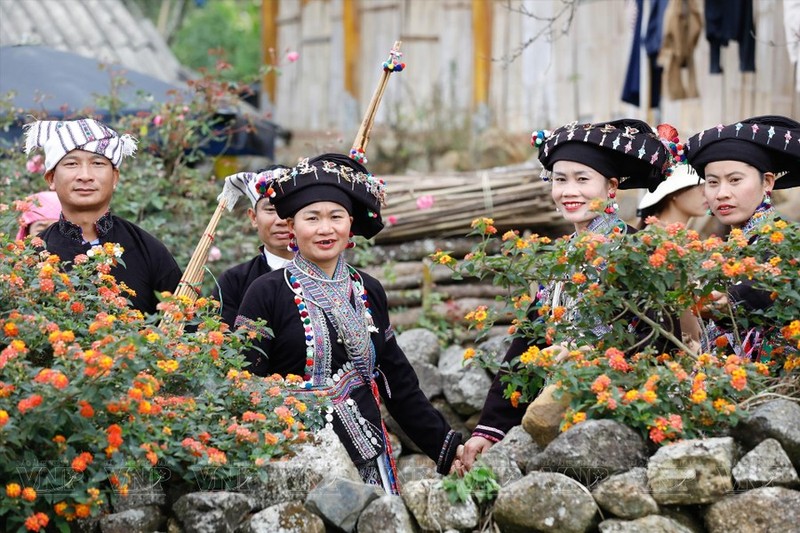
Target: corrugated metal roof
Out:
[101,29]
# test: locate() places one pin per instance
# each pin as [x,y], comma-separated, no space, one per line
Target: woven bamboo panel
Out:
[513,196]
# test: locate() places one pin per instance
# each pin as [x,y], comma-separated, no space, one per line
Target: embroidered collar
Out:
[74,232]
[763,214]
[318,297]
[605,224]
[310,269]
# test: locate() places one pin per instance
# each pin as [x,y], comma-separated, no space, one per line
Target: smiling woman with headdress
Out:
[586,164]
[742,164]
[330,322]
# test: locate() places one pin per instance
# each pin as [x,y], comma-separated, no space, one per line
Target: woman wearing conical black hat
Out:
[742,164]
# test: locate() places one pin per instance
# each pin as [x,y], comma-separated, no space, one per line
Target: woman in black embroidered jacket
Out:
[329,323]
[742,164]
[586,163]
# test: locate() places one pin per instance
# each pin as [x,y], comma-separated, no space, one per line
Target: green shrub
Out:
[652,276]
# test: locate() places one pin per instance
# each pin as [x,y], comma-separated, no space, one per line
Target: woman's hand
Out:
[714,303]
[561,352]
[557,352]
[467,453]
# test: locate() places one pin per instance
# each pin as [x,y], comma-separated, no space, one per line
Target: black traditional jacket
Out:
[149,267]
[233,283]
[304,341]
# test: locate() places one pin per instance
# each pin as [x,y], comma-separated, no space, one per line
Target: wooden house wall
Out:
[564,75]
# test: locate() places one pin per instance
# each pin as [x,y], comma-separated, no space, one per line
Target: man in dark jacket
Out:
[82,159]
[274,250]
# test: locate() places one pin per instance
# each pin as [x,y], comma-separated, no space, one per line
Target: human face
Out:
[691,201]
[734,190]
[40,225]
[575,185]
[322,230]
[272,230]
[84,182]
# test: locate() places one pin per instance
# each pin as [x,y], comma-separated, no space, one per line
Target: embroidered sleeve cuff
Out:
[448,452]
[490,433]
[259,327]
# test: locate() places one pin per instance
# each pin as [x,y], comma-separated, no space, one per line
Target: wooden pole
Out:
[189,285]
[482,52]
[352,43]
[269,46]
[362,137]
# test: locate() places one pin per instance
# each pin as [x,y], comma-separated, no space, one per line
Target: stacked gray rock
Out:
[598,476]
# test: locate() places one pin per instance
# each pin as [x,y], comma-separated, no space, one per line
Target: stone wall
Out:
[598,476]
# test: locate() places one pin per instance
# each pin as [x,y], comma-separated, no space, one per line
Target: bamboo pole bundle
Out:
[514,197]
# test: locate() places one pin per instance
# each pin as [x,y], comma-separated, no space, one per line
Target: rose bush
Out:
[652,276]
[93,395]
[169,188]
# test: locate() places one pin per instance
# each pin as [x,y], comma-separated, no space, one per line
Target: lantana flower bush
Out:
[652,276]
[95,397]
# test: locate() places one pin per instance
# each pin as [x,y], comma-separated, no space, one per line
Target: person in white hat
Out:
[274,251]
[82,159]
[676,200]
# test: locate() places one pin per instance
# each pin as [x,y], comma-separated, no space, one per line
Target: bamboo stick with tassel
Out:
[393,64]
[189,285]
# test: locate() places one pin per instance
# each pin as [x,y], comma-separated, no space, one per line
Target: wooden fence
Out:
[574,68]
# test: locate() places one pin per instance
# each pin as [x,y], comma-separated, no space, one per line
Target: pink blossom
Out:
[425,202]
[391,220]
[214,254]
[158,120]
[35,164]
[291,57]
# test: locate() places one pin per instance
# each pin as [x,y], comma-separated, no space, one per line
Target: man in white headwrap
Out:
[82,159]
[273,231]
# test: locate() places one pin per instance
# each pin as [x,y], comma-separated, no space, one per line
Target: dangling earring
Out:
[709,212]
[612,206]
[351,243]
[292,243]
[767,197]
[558,210]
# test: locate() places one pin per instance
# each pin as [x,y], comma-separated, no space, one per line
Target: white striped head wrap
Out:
[59,137]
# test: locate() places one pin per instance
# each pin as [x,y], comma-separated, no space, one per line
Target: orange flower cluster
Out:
[738,375]
[37,521]
[469,353]
[52,377]
[484,226]
[199,449]
[478,317]
[82,461]
[114,436]
[31,402]
[699,394]
[443,258]
[616,360]
[666,428]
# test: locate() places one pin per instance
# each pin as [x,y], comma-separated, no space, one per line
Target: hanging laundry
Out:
[652,45]
[683,24]
[631,90]
[731,20]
